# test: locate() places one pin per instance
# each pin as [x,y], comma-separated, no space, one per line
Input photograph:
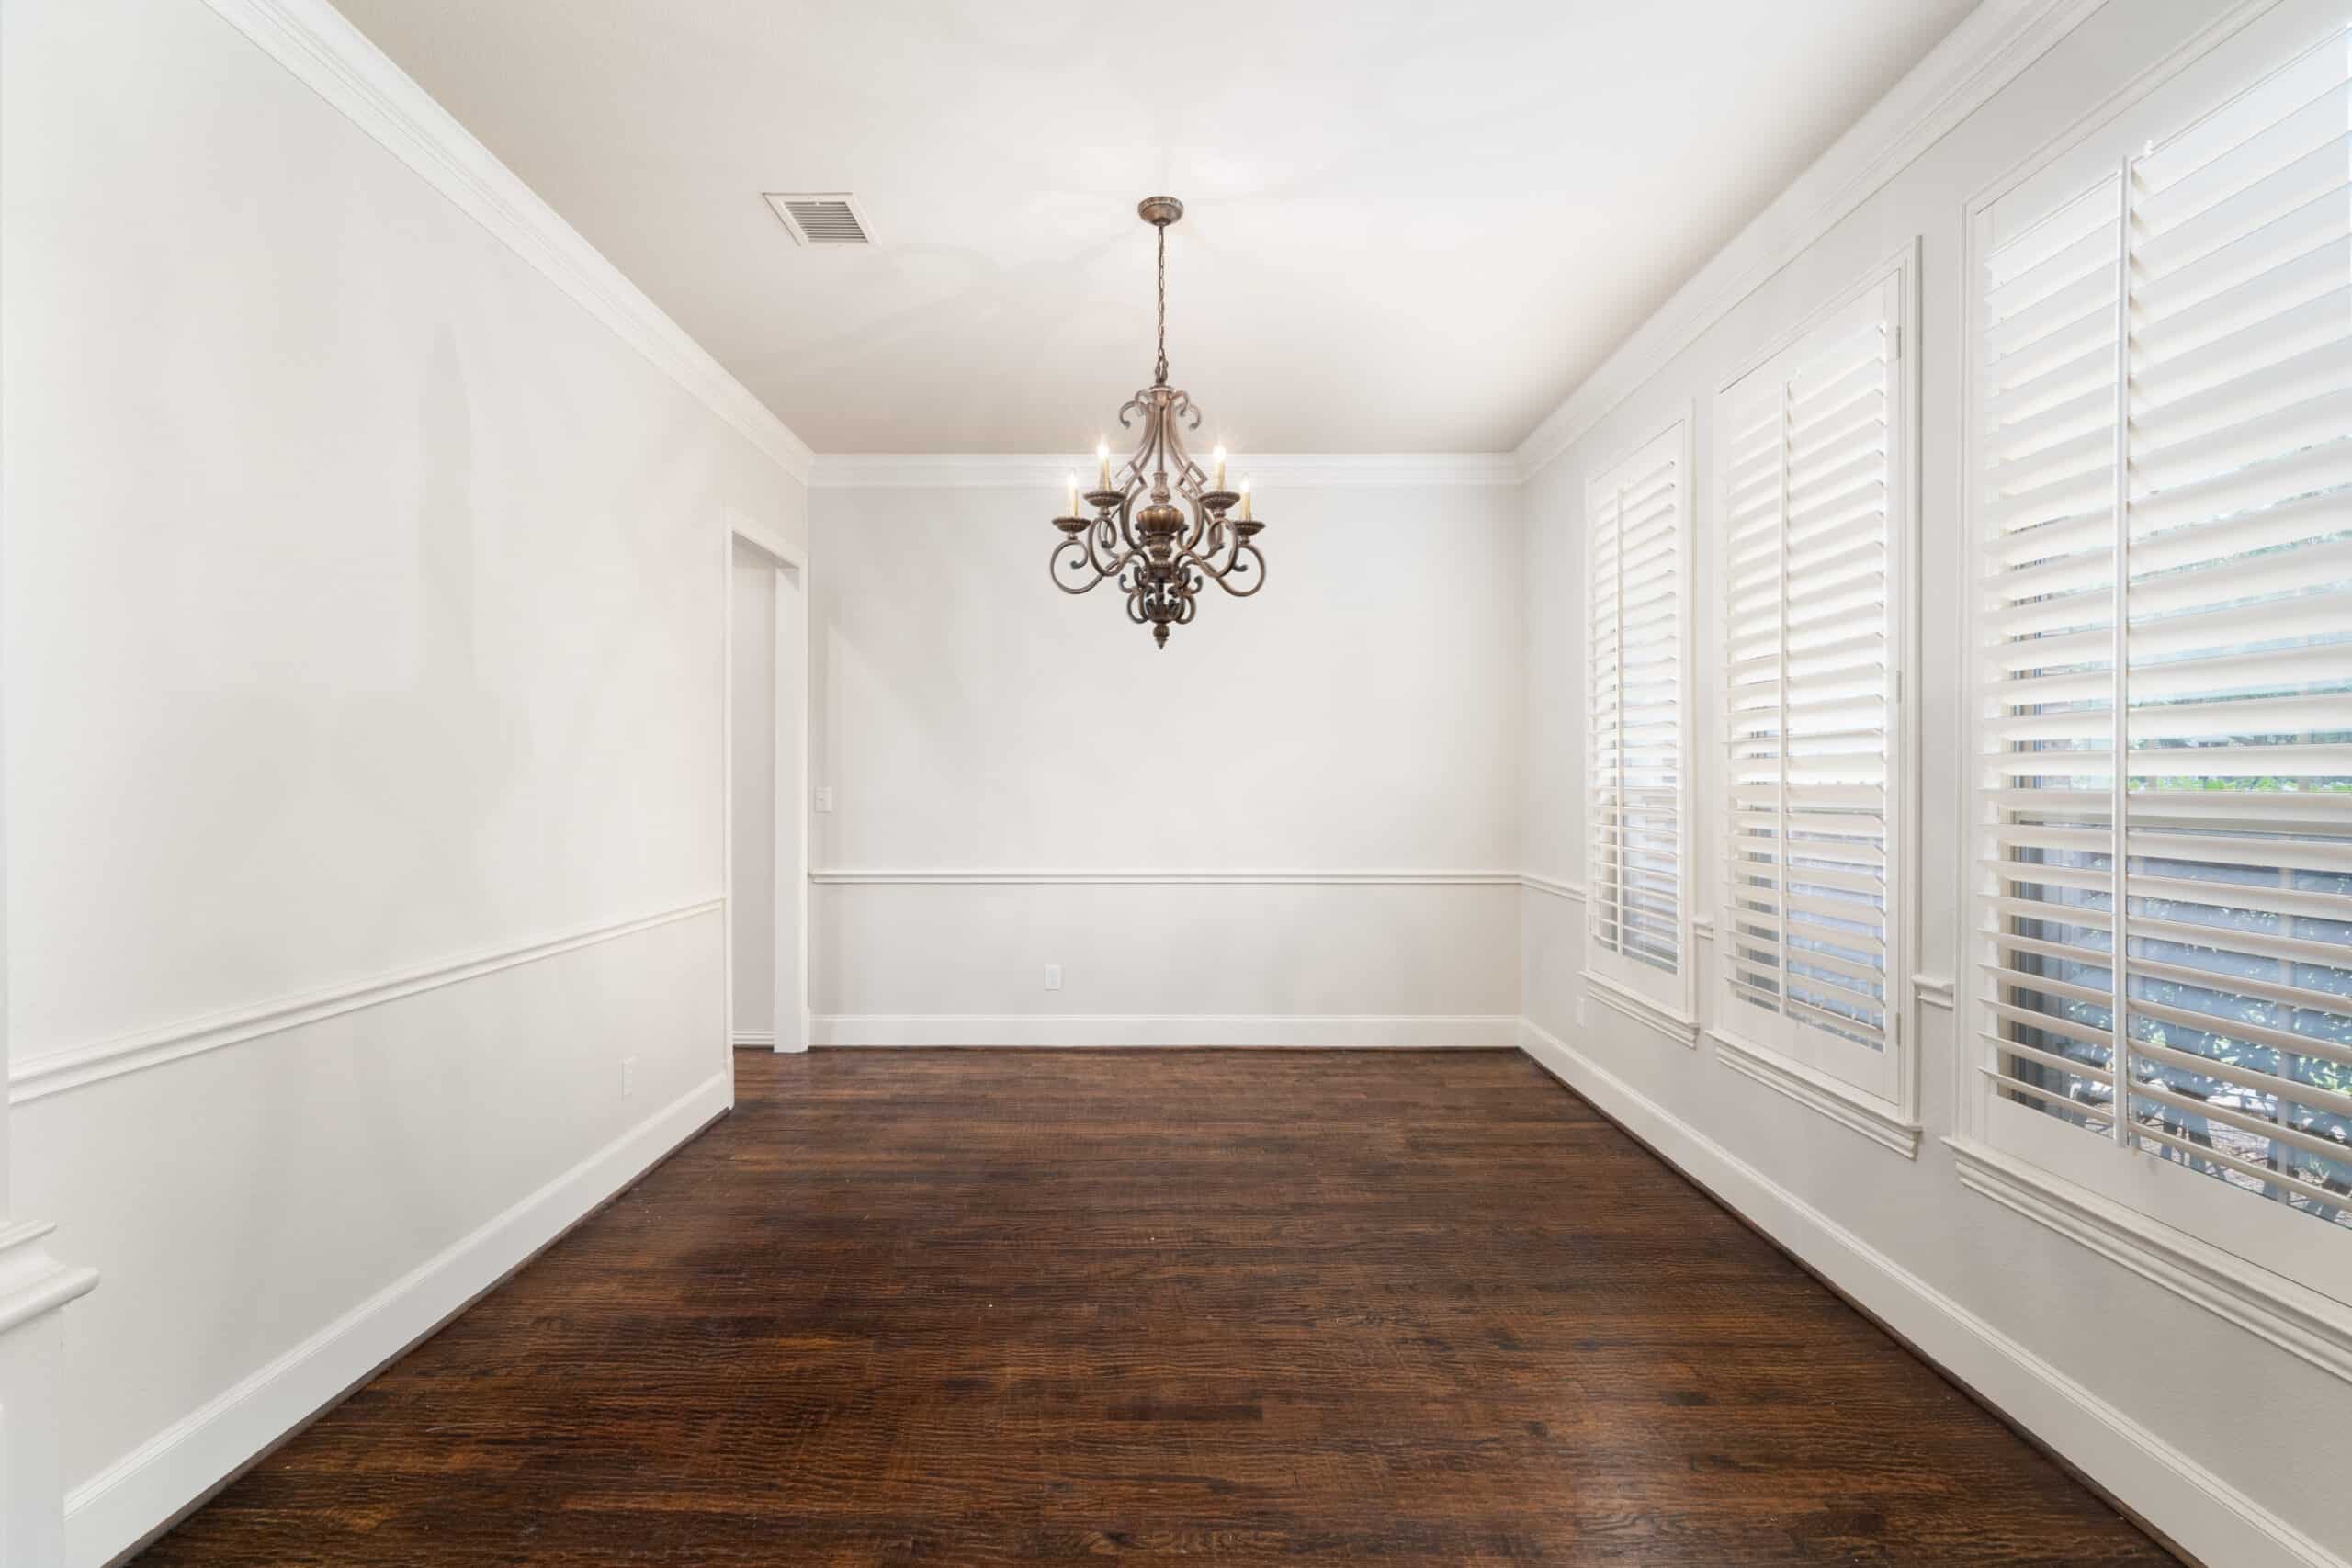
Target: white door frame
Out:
[791,1021]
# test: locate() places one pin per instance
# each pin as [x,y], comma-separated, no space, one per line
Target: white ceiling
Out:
[1409,226]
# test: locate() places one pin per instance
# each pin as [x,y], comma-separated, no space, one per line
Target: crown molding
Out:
[1991,45]
[1047,472]
[335,60]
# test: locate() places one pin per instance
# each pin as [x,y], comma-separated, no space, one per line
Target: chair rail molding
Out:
[332,58]
[954,876]
[56,1071]
[1991,45]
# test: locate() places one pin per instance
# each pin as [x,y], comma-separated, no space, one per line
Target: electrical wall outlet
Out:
[1053,976]
[628,1076]
[824,798]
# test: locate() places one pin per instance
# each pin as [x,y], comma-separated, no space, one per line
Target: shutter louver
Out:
[1635,519]
[1808,475]
[2180,790]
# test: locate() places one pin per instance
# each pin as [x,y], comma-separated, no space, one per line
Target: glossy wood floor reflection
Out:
[967,1308]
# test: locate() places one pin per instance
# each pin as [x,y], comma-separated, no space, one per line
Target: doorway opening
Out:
[767,880]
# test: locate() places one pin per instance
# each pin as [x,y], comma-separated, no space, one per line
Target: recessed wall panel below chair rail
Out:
[273,1218]
[1168,958]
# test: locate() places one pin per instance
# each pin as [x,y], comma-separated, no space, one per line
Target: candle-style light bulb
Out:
[1219,482]
[1245,500]
[1073,496]
[1101,464]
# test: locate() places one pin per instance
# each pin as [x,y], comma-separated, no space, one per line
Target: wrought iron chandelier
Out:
[1138,534]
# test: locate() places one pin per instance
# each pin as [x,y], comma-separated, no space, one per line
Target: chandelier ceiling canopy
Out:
[1158,525]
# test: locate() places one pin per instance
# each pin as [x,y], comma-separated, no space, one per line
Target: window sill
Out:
[1848,1107]
[1681,1027]
[2297,1319]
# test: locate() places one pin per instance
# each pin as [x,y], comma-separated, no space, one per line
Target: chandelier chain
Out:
[1160,368]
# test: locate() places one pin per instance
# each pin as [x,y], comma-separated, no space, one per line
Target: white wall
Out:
[1358,716]
[2232,1446]
[364,799]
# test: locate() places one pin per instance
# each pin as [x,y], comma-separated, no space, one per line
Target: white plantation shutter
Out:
[1636,517]
[1811,503]
[2165,617]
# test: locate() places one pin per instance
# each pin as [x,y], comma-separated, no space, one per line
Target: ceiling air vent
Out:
[831,219]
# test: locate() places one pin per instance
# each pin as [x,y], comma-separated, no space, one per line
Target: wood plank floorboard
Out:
[981,1307]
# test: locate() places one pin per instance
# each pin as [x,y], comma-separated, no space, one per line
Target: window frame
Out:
[1644,992]
[1879,1098]
[2255,1262]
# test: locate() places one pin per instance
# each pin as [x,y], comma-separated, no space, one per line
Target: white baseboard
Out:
[763,1038]
[2202,1513]
[137,1497]
[1310,1030]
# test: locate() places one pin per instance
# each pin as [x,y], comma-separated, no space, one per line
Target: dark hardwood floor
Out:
[964,1308]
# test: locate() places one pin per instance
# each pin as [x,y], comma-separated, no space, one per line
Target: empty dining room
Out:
[988,782]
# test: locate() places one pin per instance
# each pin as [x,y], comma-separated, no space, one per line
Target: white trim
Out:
[1877,1120]
[788,1026]
[763,1039]
[33,1282]
[1044,471]
[1985,53]
[142,1493]
[948,877]
[1933,990]
[2190,1504]
[57,1071]
[741,525]
[335,60]
[1682,1028]
[952,877]
[2294,1317]
[1295,1031]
